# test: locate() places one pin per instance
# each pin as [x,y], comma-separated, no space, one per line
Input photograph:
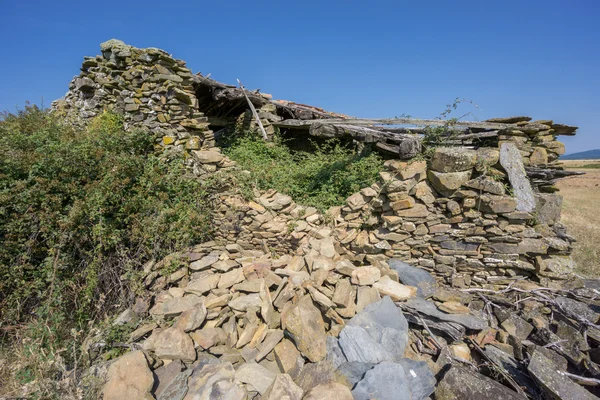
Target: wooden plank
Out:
[361,133]
[305,124]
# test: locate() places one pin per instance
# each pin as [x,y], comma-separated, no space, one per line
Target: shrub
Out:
[80,212]
[322,177]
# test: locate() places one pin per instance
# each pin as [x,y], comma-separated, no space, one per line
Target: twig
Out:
[555,343]
[498,368]
[260,125]
[582,379]
[437,343]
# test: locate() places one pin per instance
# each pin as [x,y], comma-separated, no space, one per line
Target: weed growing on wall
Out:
[323,177]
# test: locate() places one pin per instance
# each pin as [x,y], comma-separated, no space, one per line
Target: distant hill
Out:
[584,155]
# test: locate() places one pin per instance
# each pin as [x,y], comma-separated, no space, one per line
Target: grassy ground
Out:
[581,214]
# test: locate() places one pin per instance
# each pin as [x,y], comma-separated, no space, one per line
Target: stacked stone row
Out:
[536,140]
[453,216]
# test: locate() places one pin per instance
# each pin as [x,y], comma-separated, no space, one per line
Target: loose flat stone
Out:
[215,381]
[225,265]
[174,344]
[515,368]
[315,374]
[421,381]
[191,319]
[428,308]
[228,279]
[517,326]
[177,388]
[283,388]
[175,306]
[354,371]
[209,337]
[461,383]
[358,345]
[413,276]
[578,308]
[454,307]
[304,322]
[259,377]
[244,302]
[204,262]
[164,375]
[250,286]
[329,391]
[385,381]
[142,331]
[129,377]
[288,358]
[553,382]
[387,327]
[273,337]
[247,334]
[204,284]
[365,275]
[397,291]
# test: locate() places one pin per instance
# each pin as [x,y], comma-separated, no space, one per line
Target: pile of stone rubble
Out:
[245,324]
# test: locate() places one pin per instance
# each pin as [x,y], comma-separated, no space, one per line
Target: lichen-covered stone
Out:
[447,183]
[453,159]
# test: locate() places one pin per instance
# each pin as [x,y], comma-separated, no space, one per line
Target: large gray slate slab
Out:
[420,378]
[354,372]
[358,345]
[385,324]
[461,383]
[385,381]
[512,162]
[428,308]
[334,352]
[413,276]
[555,384]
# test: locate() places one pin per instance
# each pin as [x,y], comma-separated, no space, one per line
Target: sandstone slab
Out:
[304,322]
[129,377]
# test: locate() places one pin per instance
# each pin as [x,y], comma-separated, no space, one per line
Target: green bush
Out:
[80,212]
[322,177]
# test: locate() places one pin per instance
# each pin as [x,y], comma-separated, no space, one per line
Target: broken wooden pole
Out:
[260,125]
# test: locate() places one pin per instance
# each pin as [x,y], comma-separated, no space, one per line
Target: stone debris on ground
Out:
[290,328]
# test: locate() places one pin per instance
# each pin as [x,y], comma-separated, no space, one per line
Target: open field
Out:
[581,214]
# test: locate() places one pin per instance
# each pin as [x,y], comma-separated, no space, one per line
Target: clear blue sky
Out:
[367,58]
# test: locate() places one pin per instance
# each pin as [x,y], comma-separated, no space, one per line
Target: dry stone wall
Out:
[152,91]
[470,215]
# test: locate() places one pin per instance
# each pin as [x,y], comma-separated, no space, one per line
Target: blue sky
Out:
[368,59]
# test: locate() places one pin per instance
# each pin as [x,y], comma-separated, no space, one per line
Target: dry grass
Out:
[581,215]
